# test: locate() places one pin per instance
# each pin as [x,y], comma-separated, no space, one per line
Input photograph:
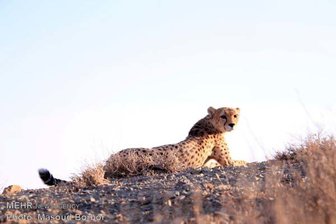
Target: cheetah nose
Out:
[231,125]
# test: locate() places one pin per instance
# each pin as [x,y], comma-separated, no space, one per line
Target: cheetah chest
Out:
[194,153]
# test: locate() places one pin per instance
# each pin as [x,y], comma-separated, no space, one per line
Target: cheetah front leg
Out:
[239,163]
[222,156]
[212,163]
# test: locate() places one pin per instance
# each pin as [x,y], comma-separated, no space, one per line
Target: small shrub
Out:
[91,176]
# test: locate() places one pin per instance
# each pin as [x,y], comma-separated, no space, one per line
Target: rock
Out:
[12,189]
[3,218]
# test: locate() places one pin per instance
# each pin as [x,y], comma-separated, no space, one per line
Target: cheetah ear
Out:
[237,109]
[211,111]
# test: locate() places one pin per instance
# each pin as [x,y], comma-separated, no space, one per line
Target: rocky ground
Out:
[299,186]
[194,196]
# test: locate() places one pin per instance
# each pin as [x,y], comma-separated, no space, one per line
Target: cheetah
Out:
[204,144]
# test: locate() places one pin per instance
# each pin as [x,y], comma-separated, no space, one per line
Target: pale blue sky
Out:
[82,79]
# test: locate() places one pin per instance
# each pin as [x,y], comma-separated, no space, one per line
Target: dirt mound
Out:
[298,188]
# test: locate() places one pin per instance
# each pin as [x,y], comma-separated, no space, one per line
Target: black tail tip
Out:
[46,177]
[44,174]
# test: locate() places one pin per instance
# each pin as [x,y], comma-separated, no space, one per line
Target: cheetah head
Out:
[224,119]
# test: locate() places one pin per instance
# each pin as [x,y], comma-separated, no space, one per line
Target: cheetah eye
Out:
[223,116]
[235,116]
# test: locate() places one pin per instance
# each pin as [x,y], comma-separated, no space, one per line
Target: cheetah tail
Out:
[48,178]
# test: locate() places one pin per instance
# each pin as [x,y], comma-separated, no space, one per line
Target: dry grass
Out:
[313,199]
[299,186]
[91,176]
[311,146]
[134,163]
[304,192]
[2,185]
[124,165]
[131,164]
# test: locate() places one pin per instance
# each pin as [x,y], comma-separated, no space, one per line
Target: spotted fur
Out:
[204,143]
